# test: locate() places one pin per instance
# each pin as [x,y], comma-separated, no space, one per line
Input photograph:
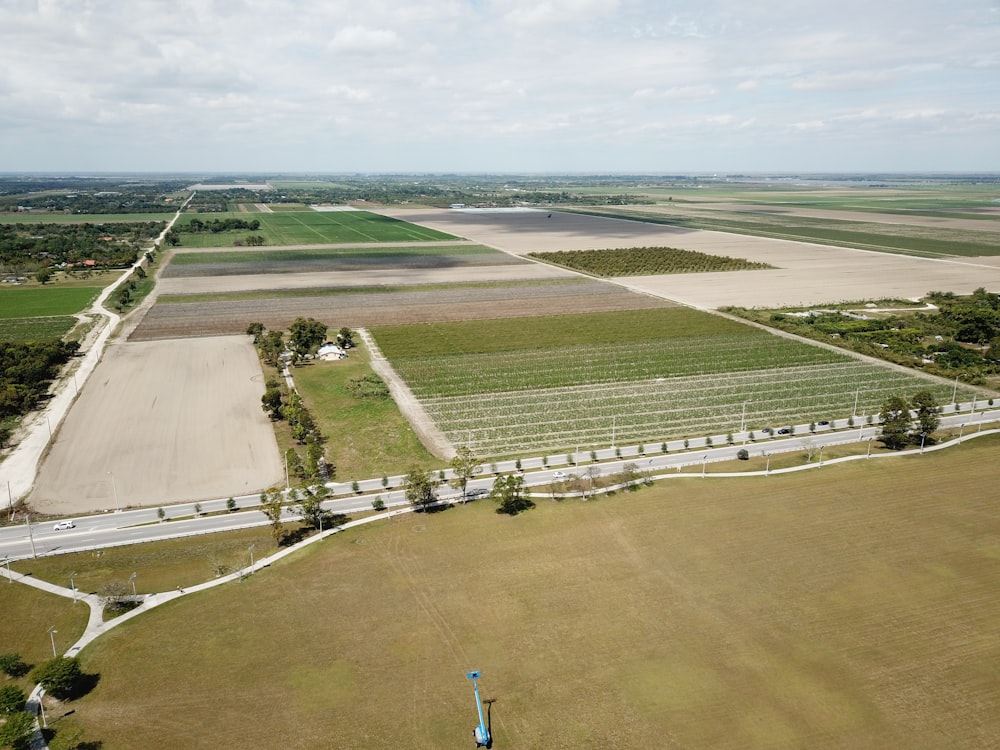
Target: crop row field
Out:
[311,227]
[555,383]
[214,314]
[37,328]
[642,261]
[312,260]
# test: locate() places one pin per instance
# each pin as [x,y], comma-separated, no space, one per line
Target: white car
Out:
[558,474]
[63,525]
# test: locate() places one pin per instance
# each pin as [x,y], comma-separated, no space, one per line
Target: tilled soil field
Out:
[370,308]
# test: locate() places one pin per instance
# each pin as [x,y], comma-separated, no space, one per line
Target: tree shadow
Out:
[84,685]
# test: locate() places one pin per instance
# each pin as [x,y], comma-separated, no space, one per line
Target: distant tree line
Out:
[76,195]
[218,225]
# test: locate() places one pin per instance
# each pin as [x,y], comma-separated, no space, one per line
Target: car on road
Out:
[63,525]
[766,430]
[785,431]
[475,492]
[558,474]
[823,422]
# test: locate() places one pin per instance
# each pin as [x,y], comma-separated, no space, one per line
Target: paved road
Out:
[140,525]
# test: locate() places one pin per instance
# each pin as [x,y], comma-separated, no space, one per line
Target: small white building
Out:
[330,351]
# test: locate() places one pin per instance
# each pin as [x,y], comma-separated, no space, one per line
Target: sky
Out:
[515,86]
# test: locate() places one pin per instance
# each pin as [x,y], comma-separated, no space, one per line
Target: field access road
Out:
[132,526]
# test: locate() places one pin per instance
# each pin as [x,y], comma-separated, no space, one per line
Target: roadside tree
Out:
[895,416]
[271,506]
[927,409]
[508,492]
[464,465]
[419,489]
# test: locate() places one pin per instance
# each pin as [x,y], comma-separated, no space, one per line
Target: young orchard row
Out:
[556,419]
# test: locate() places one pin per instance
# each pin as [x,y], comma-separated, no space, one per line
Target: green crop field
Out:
[853,611]
[36,329]
[312,228]
[640,261]
[277,260]
[35,301]
[554,383]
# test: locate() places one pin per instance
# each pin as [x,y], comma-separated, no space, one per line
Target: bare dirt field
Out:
[370,308]
[805,274]
[457,274]
[170,420]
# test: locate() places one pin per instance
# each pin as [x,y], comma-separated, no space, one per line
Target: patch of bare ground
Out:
[987,224]
[805,274]
[169,420]
[371,308]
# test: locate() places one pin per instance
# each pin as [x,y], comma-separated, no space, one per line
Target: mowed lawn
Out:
[311,228]
[365,437]
[855,609]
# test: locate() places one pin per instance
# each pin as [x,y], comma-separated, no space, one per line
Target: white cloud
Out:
[582,81]
[364,40]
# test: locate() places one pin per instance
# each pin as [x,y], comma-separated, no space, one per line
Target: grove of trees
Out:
[909,421]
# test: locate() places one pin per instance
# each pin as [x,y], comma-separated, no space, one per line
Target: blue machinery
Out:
[481,733]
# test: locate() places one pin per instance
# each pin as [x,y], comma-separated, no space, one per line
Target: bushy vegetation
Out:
[13,665]
[368,386]
[30,247]
[959,338]
[215,226]
[59,676]
[645,261]
[26,369]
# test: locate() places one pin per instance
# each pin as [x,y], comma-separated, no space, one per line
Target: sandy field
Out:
[170,420]
[806,274]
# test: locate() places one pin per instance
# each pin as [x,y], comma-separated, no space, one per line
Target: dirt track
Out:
[171,420]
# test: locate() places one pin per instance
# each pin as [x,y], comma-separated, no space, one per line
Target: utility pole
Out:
[31,538]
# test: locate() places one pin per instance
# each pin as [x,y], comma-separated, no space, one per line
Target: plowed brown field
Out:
[371,308]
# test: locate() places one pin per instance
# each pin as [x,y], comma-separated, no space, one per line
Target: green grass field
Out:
[29,302]
[559,382]
[779,612]
[313,228]
[365,437]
